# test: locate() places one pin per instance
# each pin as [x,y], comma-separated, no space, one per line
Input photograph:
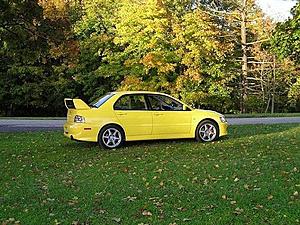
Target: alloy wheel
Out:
[207,132]
[111,137]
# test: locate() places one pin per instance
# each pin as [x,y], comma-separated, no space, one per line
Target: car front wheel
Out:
[207,131]
[111,137]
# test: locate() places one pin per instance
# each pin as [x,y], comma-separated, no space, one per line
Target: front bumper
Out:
[81,132]
[223,129]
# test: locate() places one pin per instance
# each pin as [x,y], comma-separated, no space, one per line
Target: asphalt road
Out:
[19,125]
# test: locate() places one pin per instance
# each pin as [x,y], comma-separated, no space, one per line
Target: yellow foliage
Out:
[134,83]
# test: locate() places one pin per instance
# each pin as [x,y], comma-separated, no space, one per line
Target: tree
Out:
[97,71]
[63,52]
[213,54]
[23,49]
[286,43]
[286,38]
[172,47]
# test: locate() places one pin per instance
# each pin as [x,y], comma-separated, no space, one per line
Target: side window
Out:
[131,102]
[160,102]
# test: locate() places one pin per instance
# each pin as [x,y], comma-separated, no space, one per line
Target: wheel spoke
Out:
[113,141]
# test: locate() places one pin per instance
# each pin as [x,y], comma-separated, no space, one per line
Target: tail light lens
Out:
[79,119]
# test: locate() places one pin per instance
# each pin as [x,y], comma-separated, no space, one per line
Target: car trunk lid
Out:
[74,106]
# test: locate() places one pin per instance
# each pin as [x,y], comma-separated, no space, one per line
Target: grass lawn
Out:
[252,177]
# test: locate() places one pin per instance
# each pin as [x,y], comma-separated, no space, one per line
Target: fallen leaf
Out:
[270,197]
[146,213]
[238,211]
[159,171]
[258,206]
[130,198]
[182,209]
[116,219]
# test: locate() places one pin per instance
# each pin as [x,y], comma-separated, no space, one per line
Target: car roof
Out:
[137,92]
[119,93]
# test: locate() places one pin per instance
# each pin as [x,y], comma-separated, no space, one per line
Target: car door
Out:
[169,116]
[132,112]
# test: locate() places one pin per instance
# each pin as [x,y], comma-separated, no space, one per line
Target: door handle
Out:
[158,114]
[121,114]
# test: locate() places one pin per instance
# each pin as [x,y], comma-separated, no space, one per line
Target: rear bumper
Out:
[81,132]
[223,129]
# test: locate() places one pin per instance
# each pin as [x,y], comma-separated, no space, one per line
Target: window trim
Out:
[153,110]
[143,110]
[109,95]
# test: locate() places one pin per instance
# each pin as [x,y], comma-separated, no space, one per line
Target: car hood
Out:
[210,112]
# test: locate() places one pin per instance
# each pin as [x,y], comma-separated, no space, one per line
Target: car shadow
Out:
[81,144]
[158,142]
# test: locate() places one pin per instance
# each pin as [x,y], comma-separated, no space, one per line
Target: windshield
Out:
[101,101]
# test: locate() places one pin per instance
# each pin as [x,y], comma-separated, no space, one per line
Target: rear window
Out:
[101,100]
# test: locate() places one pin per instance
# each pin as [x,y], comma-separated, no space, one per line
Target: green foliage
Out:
[96,71]
[286,39]
[286,43]
[23,46]
[294,94]
[30,49]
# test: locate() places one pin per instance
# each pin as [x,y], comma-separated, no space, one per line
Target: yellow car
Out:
[139,115]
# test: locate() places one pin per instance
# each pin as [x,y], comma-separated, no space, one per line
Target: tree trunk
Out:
[244,58]
[273,103]
[268,104]
[273,85]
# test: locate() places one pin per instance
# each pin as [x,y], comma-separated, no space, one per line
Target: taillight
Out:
[79,119]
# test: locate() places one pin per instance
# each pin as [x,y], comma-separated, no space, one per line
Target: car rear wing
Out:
[75,104]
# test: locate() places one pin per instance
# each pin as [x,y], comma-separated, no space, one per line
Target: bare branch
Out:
[259,41]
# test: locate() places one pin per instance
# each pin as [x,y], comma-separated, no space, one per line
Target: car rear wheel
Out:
[111,136]
[207,131]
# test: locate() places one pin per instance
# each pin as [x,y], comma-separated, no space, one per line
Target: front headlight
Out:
[223,119]
[79,119]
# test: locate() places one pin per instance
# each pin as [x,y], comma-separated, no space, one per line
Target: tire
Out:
[207,131]
[111,137]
